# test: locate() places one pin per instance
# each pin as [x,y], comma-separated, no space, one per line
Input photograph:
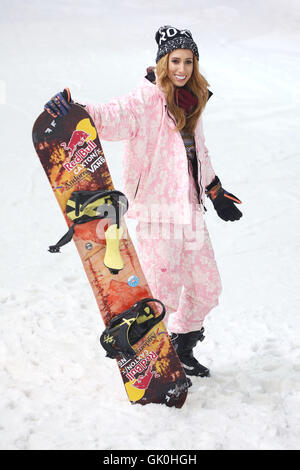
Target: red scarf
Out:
[185,100]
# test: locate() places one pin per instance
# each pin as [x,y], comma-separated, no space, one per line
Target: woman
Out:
[167,172]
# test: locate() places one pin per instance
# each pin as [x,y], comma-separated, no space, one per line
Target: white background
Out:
[57,389]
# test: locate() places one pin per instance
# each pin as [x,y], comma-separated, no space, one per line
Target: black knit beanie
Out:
[169,38]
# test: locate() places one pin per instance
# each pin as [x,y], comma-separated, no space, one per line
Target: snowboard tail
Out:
[70,152]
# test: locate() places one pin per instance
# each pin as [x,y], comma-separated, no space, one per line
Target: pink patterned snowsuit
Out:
[173,242]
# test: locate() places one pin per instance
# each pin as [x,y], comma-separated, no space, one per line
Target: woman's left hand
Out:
[223,201]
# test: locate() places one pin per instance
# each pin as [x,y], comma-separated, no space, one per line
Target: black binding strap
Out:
[77,209]
[127,328]
[63,241]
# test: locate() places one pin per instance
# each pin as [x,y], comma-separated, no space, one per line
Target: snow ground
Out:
[57,389]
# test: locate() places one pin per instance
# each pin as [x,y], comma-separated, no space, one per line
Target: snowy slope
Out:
[57,389]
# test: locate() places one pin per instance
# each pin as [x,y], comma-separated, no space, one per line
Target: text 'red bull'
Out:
[140,367]
[80,155]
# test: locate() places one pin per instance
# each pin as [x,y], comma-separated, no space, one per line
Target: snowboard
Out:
[71,154]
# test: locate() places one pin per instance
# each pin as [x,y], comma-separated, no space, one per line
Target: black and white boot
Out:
[184,344]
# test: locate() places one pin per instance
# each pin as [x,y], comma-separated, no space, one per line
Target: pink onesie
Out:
[180,266]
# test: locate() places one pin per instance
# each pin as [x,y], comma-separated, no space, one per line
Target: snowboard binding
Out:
[85,206]
[127,328]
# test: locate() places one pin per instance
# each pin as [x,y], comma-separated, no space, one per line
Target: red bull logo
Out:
[83,154]
[77,154]
[77,140]
[143,380]
[144,365]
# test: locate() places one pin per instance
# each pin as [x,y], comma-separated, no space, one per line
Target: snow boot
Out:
[184,344]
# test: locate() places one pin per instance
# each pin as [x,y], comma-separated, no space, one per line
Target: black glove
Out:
[59,105]
[223,201]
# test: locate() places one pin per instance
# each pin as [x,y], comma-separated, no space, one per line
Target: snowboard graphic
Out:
[71,154]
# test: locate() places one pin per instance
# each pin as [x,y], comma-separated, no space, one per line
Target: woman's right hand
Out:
[59,105]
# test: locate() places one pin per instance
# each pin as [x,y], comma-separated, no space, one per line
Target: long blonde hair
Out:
[197,84]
